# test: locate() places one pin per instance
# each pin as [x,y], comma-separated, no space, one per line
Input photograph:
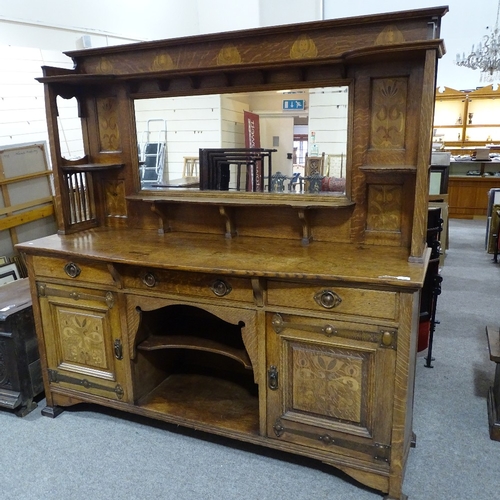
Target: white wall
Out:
[189,123]
[125,19]
[273,12]
[328,120]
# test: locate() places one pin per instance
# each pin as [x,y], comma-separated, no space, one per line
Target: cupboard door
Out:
[331,385]
[82,335]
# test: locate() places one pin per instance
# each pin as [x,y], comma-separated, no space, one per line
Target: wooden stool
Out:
[191,166]
[493,335]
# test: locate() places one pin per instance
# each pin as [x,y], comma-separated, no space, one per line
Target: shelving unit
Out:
[465,120]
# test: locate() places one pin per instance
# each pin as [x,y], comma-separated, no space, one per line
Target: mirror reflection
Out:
[270,141]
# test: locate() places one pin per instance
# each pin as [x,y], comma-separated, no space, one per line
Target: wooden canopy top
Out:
[337,41]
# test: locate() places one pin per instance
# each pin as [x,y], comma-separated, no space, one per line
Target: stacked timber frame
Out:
[293,316]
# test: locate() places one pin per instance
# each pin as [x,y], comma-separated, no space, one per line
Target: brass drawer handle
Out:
[327,299]
[149,280]
[72,270]
[220,288]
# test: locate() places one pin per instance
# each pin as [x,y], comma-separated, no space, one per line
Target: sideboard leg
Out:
[402,497]
[52,411]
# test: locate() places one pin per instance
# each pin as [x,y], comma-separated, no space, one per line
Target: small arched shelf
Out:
[192,328]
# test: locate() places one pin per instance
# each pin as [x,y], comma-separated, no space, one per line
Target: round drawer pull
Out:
[149,280]
[328,330]
[327,299]
[220,288]
[72,270]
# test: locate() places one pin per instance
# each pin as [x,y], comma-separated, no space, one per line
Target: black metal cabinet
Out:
[20,370]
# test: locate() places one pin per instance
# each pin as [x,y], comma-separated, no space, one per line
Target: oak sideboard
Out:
[281,318]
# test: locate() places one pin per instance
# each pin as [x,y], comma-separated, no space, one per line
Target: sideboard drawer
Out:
[338,299]
[64,268]
[184,283]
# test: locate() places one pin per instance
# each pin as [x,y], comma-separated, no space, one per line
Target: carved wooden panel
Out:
[388,113]
[82,338]
[384,207]
[330,40]
[109,135]
[84,348]
[329,382]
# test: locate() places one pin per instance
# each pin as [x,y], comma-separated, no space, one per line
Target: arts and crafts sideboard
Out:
[284,319]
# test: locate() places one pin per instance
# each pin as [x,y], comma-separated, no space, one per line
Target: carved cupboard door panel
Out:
[331,385]
[83,340]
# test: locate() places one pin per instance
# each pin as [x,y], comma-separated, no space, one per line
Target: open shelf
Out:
[91,167]
[215,401]
[193,365]
[156,342]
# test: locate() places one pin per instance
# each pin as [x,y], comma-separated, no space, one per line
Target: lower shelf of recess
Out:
[200,398]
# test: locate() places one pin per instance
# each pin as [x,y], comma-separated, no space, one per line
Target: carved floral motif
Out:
[303,48]
[328,383]
[384,207]
[82,339]
[388,118]
[162,61]
[229,54]
[109,134]
[104,66]
[389,35]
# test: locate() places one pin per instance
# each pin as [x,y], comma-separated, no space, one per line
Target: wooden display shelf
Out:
[205,400]
[157,342]
[91,167]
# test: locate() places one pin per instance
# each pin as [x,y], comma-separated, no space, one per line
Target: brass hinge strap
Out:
[385,338]
[279,324]
[377,451]
[55,377]
[46,291]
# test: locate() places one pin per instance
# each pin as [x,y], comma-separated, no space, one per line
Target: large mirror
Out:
[292,141]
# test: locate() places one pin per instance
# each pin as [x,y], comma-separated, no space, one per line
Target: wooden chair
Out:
[191,167]
[314,165]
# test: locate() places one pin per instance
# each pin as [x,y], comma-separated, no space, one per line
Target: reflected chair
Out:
[314,165]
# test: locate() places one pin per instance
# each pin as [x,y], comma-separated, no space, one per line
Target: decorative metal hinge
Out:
[382,452]
[110,299]
[278,428]
[272,378]
[118,348]
[55,378]
[41,288]
[378,451]
[279,324]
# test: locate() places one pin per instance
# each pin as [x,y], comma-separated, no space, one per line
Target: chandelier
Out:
[486,56]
